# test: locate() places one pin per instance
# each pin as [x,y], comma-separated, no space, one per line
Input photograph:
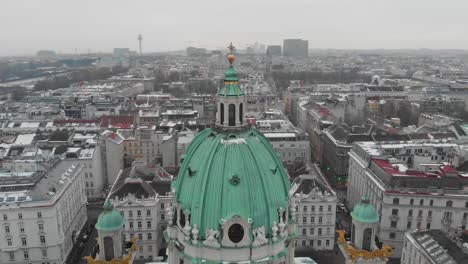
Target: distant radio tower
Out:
[140,38]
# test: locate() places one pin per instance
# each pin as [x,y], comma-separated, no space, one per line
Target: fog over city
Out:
[89,25]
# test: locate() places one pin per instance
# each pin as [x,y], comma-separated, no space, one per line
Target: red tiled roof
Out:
[117,121]
[386,166]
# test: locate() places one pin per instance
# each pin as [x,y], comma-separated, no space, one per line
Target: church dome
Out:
[235,174]
[364,212]
[109,219]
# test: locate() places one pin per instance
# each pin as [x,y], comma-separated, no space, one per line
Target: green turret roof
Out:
[231,84]
[109,219]
[364,212]
[227,174]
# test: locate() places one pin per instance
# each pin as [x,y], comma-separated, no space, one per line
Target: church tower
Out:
[109,227]
[231,197]
[231,99]
[362,248]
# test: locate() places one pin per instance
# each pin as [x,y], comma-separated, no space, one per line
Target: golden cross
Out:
[231,48]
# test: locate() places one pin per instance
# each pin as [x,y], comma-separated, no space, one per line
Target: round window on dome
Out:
[236,233]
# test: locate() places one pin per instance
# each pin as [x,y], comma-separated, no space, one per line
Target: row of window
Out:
[311,243]
[312,208]
[26,254]
[447,215]
[88,175]
[312,231]
[312,220]
[20,216]
[24,241]
[149,236]
[89,184]
[396,201]
[40,226]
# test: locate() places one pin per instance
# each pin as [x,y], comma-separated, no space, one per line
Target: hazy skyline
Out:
[100,25]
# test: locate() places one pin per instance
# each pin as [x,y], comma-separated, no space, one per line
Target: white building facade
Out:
[406,198]
[40,224]
[315,212]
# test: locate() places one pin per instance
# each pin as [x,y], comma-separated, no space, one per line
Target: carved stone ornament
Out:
[260,237]
[211,238]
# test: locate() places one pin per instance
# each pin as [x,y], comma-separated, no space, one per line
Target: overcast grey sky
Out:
[100,25]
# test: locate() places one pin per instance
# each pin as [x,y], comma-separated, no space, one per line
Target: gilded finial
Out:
[231,56]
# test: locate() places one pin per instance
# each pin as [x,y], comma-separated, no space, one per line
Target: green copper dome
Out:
[110,219]
[228,174]
[231,84]
[364,212]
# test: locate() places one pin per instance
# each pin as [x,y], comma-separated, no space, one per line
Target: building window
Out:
[410,212]
[7,229]
[420,212]
[431,202]
[22,229]
[304,232]
[304,220]
[130,213]
[411,202]
[149,236]
[396,201]
[428,226]
[163,217]
[329,208]
[241,112]
[162,205]
[320,219]
[304,209]
[140,236]
[221,112]
[44,253]
[409,224]
[466,204]
[311,243]
[465,216]
[312,219]
[26,254]
[394,211]
[148,212]
[20,216]
[232,114]
[449,204]
[303,243]
[150,248]
[328,230]
[9,242]
[12,256]
[393,224]
[319,231]
[122,213]
[320,208]
[319,243]
[421,202]
[429,213]
[448,215]
[148,224]
[311,231]
[5,217]
[130,225]
[312,208]
[42,239]
[23,241]
[139,213]
[39,214]
[392,235]
[327,242]
[41,227]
